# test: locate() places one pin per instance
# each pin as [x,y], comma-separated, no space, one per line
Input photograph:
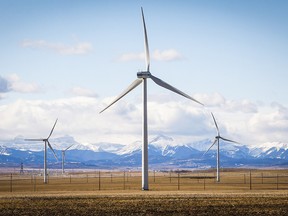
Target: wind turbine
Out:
[217,140]
[46,141]
[63,157]
[142,77]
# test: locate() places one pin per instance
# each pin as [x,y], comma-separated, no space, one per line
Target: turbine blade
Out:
[146,43]
[215,123]
[33,139]
[68,147]
[211,146]
[52,150]
[52,129]
[130,88]
[171,88]
[228,140]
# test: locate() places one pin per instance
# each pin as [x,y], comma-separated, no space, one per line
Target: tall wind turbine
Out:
[46,141]
[142,77]
[63,157]
[217,140]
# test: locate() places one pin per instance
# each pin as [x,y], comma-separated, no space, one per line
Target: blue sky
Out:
[68,59]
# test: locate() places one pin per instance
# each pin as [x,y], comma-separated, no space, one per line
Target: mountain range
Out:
[164,153]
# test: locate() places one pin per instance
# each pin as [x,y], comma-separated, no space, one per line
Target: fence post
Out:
[170,176]
[124,180]
[70,178]
[87,178]
[178,181]
[204,182]
[250,181]
[262,177]
[99,185]
[95,176]
[154,176]
[11,182]
[111,177]
[277,180]
[35,181]
[244,178]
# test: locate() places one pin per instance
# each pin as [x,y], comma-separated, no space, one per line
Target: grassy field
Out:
[240,192]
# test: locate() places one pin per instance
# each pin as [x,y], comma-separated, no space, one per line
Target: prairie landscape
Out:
[72,59]
[240,192]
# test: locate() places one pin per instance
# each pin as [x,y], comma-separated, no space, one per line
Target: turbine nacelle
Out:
[144,74]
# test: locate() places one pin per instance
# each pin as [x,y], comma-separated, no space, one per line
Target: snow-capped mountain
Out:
[107,147]
[163,152]
[273,150]
[130,148]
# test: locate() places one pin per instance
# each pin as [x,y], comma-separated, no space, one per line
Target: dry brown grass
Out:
[145,203]
[236,180]
[190,193]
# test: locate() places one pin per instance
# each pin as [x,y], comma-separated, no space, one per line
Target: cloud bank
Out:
[181,119]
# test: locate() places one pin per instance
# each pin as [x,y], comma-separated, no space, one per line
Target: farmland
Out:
[240,192]
[99,180]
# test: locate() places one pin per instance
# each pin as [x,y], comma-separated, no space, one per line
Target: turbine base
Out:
[143,189]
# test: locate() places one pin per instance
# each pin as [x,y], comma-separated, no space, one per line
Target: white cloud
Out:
[179,118]
[132,56]
[122,122]
[18,85]
[217,100]
[76,49]
[32,118]
[4,85]
[244,106]
[79,91]
[271,124]
[166,55]
[210,100]
[13,83]
[157,55]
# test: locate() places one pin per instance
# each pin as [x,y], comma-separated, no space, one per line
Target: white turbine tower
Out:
[46,141]
[142,77]
[217,140]
[63,157]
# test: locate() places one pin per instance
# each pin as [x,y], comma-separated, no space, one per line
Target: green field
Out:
[240,192]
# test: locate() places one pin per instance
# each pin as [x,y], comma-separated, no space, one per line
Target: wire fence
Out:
[158,181]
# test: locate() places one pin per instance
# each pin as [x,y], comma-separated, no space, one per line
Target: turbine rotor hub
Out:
[143,74]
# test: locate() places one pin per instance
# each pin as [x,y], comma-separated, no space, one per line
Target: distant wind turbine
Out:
[217,140]
[46,141]
[63,157]
[142,77]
